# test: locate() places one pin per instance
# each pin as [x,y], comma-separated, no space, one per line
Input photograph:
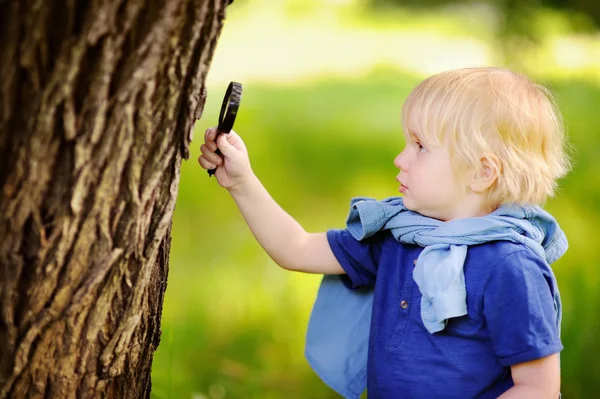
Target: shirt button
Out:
[404,304]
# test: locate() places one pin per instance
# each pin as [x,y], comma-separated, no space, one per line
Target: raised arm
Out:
[281,236]
[288,244]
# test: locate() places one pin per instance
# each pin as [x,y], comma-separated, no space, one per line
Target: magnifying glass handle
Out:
[218,152]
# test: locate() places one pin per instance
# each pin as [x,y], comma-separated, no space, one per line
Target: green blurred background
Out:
[324,82]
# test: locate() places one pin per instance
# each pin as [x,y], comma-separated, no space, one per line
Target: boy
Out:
[463,301]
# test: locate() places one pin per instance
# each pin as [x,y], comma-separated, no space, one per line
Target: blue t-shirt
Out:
[511,318]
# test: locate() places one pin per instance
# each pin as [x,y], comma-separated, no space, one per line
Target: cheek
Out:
[436,177]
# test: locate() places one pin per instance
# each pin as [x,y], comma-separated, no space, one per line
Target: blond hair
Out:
[482,111]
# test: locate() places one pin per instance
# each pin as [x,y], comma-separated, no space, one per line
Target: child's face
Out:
[428,181]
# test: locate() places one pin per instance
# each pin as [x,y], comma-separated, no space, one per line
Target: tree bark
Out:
[97,102]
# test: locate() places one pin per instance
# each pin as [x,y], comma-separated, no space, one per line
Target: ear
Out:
[489,170]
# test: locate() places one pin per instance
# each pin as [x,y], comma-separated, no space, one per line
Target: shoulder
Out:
[506,253]
[506,263]
[515,269]
[497,249]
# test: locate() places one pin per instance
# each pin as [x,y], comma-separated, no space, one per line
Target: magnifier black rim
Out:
[231,103]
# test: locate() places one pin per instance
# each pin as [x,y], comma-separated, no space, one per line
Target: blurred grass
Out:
[234,323]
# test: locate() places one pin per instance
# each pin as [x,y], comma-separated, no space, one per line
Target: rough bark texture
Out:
[97,100]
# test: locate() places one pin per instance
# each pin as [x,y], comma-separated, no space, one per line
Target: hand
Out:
[233,165]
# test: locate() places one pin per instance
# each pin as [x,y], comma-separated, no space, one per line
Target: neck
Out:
[474,205]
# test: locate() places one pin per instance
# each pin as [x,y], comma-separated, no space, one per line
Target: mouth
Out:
[402,187]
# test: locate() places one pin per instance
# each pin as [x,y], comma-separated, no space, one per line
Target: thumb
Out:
[224,146]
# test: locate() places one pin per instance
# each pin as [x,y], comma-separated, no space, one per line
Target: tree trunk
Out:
[97,101]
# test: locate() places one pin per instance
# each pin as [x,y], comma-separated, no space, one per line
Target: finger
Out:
[211,156]
[205,163]
[210,134]
[233,134]
[225,146]
[210,138]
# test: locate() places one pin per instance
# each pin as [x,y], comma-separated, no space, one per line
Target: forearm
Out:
[277,232]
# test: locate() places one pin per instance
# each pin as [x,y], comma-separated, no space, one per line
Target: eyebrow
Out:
[414,136]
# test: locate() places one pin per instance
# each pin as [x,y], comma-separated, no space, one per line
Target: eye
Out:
[420,147]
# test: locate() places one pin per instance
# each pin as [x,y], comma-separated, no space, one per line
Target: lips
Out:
[402,188]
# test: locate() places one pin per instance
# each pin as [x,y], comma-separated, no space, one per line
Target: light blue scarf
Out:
[338,330]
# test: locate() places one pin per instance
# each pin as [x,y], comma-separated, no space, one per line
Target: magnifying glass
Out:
[229,109]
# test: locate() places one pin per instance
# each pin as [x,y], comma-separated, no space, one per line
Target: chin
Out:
[410,206]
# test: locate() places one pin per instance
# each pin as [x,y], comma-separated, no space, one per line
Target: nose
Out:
[401,161]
